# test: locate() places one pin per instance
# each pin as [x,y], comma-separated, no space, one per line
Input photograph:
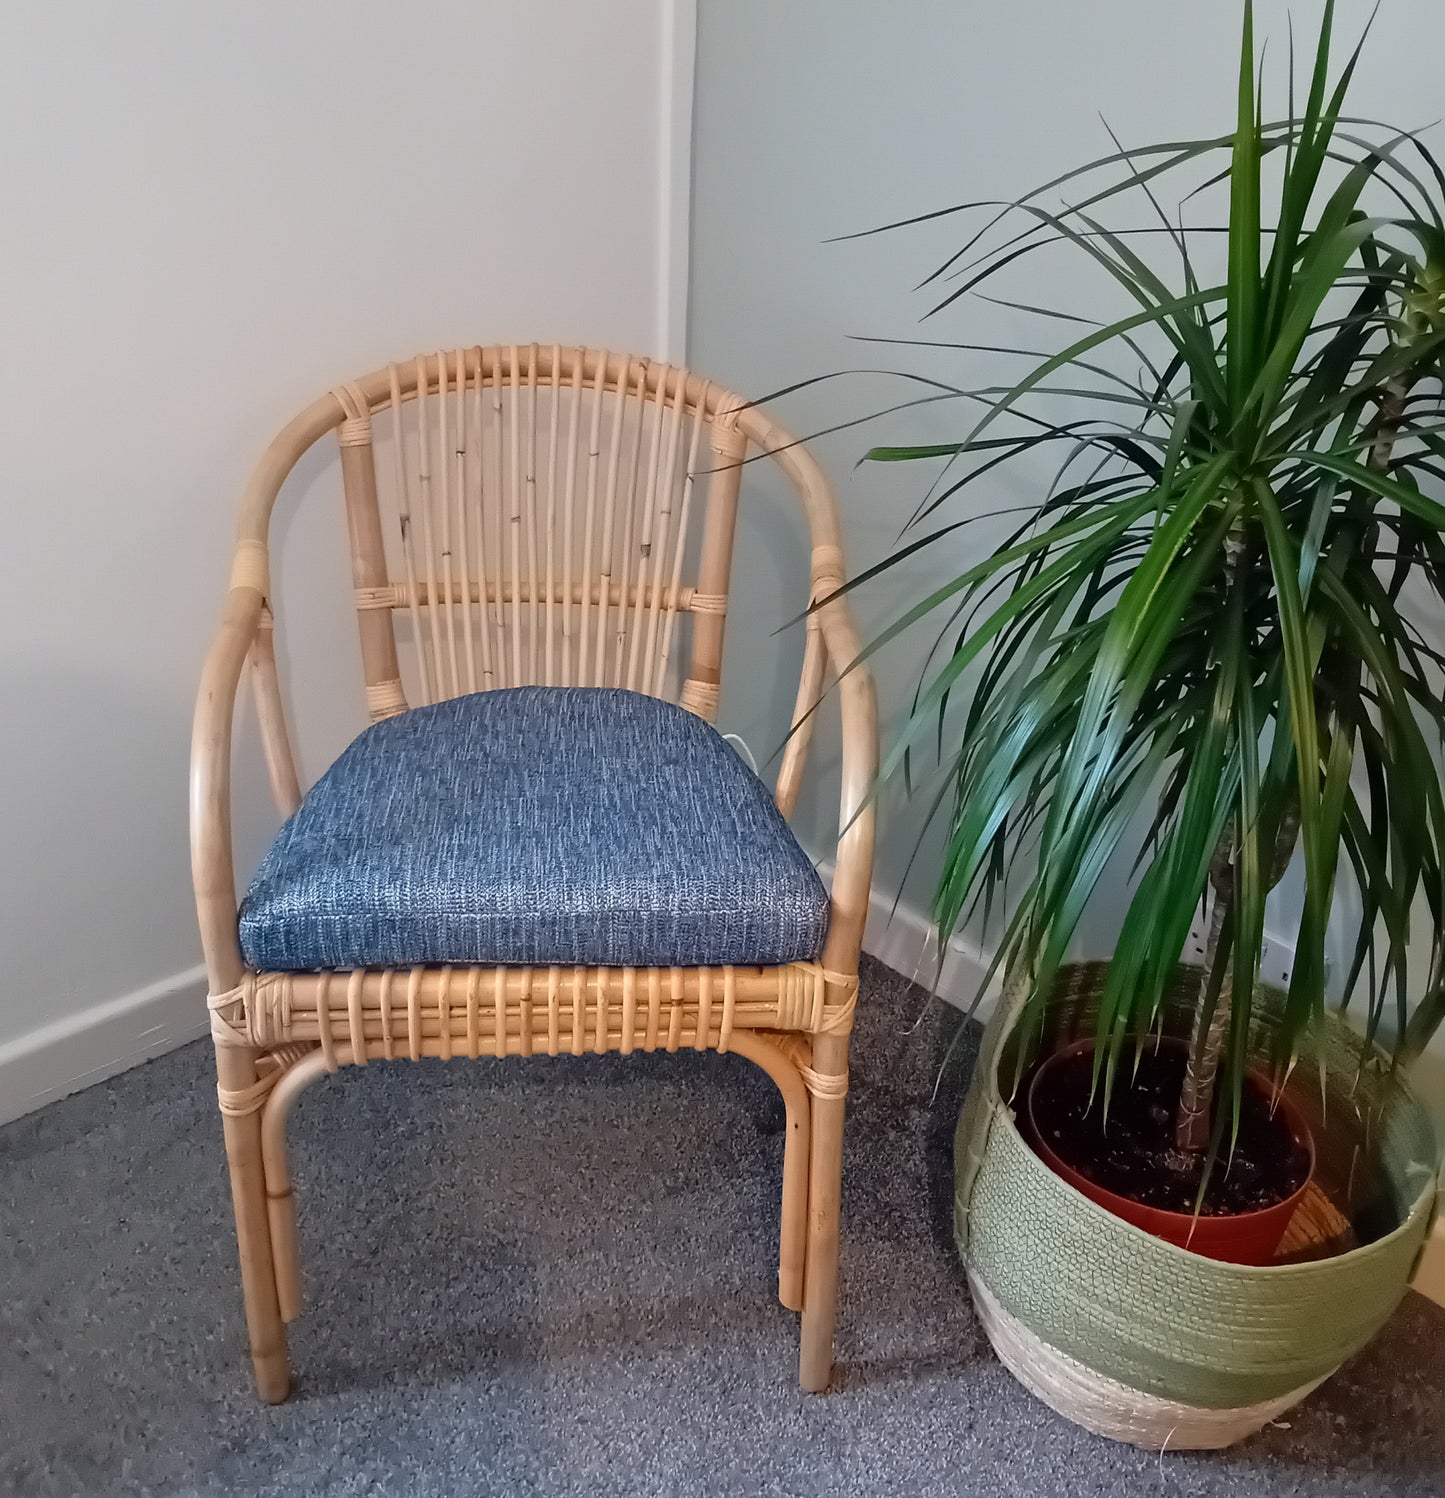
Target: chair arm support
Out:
[853,868]
[853,864]
[811,683]
[212,869]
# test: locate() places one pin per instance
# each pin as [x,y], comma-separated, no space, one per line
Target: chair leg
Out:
[779,1057]
[267,1333]
[301,1070]
[285,1247]
[828,1086]
[793,1235]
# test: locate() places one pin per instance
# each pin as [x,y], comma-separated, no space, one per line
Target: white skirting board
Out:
[107,1038]
[903,938]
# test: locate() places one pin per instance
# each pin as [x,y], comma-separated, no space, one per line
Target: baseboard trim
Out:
[81,1049]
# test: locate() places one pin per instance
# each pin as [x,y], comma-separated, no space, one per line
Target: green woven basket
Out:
[1093,1313]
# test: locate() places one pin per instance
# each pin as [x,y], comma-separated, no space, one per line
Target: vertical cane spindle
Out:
[444,1012]
[460,460]
[474,1013]
[674,1016]
[550,653]
[444,505]
[700,690]
[629,525]
[489,646]
[355,1019]
[554,1010]
[388,1040]
[529,506]
[428,536]
[689,484]
[499,1012]
[622,542]
[401,481]
[599,1026]
[629,1011]
[324,1032]
[368,555]
[654,1008]
[579,1010]
[654,539]
[514,510]
[524,1004]
[493,508]
[609,511]
[704,1009]
[569,510]
[413,1012]
[594,455]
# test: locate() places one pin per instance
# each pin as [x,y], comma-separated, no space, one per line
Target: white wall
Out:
[210,215]
[822,117]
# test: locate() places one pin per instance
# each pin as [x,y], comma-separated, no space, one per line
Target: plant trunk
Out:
[1393,395]
[1206,1044]
[1201,1067]
[1206,1041]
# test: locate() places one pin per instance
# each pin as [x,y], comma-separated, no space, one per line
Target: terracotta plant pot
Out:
[1239,1238]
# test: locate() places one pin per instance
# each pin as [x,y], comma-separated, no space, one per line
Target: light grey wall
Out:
[212,214]
[820,117]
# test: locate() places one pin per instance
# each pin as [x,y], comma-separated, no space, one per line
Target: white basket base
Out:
[1109,1408]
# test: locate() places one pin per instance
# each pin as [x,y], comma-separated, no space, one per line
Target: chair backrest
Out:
[539,515]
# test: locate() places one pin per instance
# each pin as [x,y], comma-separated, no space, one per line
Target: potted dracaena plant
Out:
[1185,1197]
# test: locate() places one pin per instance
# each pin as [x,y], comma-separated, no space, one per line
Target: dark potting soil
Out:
[1130,1152]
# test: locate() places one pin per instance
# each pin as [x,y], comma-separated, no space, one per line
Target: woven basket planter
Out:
[1142,1341]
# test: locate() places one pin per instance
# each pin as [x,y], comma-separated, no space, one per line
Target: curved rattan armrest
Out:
[858,708]
[212,868]
[853,861]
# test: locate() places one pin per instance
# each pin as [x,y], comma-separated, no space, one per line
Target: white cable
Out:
[740,744]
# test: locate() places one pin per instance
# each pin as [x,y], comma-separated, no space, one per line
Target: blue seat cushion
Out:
[536,825]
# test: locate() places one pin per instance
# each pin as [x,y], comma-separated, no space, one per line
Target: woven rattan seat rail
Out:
[533,516]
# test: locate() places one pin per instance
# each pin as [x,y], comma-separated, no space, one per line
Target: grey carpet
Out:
[557,1278]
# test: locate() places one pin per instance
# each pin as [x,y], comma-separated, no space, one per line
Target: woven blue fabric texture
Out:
[535,825]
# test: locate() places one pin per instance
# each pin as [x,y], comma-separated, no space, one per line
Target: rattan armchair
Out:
[522,518]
